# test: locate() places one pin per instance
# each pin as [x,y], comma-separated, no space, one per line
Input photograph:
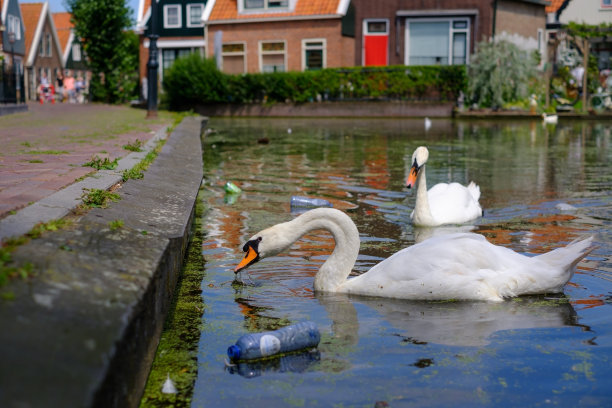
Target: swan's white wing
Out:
[456,266]
[453,203]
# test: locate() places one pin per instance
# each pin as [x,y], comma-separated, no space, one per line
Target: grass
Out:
[35,161]
[137,172]
[115,225]
[102,164]
[98,198]
[135,146]
[53,152]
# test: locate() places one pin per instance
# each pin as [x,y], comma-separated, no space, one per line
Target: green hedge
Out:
[194,80]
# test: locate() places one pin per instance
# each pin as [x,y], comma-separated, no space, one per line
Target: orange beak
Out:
[251,257]
[412,177]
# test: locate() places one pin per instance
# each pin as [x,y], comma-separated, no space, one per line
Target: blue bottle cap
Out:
[233,352]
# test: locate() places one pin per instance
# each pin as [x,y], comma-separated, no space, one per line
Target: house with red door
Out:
[442,32]
[279,35]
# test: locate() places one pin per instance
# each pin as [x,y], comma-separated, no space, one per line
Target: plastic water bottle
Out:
[258,345]
[231,188]
[300,201]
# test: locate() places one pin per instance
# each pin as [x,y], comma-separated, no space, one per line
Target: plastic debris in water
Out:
[231,188]
[565,207]
[169,387]
[299,201]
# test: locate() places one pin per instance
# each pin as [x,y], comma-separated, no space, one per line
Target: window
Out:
[606,3]
[313,54]
[272,56]
[14,26]
[172,16]
[233,58]
[76,52]
[41,47]
[194,15]
[437,42]
[48,44]
[265,4]
[169,55]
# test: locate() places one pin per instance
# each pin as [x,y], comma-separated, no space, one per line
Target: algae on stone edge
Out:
[176,354]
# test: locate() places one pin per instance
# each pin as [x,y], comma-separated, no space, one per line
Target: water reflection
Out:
[291,363]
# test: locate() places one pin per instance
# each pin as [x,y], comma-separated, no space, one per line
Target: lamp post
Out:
[152,65]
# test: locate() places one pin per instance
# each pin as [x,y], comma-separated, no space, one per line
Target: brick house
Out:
[180,30]
[279,35]
[432,32]
[73,58]
[12,51]
[43,51]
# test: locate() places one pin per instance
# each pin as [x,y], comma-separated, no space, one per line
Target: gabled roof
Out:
[65,35]
[34,16]
[221,11]
[554,6]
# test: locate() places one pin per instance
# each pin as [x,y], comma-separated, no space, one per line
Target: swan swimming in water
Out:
[463,266]
[443,203]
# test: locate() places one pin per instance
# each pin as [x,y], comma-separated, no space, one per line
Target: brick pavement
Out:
[43,150]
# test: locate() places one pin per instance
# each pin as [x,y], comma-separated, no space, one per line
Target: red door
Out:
[375,42]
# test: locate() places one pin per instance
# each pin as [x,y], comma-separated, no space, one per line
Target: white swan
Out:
[443,203]
[551,119]
[456,266]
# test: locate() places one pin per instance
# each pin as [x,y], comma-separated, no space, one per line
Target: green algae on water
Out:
[176,354]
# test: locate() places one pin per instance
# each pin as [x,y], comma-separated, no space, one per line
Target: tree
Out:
[499,74]
[102,27]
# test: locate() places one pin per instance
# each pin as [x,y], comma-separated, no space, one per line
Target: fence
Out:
[12,88]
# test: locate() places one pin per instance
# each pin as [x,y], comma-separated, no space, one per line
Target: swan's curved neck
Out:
[422,212]
[339,264]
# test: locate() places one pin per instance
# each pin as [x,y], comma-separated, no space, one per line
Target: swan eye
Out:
[259,239]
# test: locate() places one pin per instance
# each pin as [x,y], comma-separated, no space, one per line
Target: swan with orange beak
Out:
[444,203]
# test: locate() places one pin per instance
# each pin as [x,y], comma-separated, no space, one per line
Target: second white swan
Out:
[462,266]
[444,203]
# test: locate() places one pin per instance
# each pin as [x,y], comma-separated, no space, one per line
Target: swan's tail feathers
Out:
[569,256]
[474,190]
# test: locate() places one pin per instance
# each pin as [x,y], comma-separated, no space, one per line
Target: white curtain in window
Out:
[429,43]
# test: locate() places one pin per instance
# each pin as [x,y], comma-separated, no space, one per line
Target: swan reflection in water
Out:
[465,324]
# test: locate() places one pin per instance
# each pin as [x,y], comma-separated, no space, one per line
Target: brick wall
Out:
[523,19]
[340,50]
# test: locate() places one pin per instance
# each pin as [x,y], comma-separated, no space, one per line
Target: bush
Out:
[499,74]
[193,80]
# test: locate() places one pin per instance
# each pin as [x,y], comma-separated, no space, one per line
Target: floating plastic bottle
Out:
[291,338]
[300,201]
[231,188]
[291,363]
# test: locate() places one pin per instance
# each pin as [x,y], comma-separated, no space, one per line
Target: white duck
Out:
[443,203]
[456,266]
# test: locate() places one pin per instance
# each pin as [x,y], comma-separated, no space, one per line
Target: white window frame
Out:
[266,6]
[76,52]
[243,53]
[261,52]
[179,15]
[14,26]
[306,47]
[451,31]
[199,23]
[48,45]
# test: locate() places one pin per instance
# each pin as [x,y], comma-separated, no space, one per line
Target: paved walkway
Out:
[43,150]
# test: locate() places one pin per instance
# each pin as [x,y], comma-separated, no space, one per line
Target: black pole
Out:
[494,19]
[152,64]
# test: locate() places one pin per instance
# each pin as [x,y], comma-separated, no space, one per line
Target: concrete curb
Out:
[83,332]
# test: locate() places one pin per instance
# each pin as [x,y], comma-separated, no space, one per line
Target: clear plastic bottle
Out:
[300,201]
[257,345]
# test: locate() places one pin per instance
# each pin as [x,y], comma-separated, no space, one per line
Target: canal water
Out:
[542,187]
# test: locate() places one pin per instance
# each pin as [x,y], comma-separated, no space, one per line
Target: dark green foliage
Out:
[112,50]
[193,81]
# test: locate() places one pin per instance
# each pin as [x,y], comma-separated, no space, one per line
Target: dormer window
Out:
[172,16]
[265,4]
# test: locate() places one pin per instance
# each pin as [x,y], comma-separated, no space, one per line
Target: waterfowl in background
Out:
[551,119]
[444,203]
[462,266]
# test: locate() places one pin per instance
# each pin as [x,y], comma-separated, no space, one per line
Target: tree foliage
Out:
[499,73]
[112,51]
